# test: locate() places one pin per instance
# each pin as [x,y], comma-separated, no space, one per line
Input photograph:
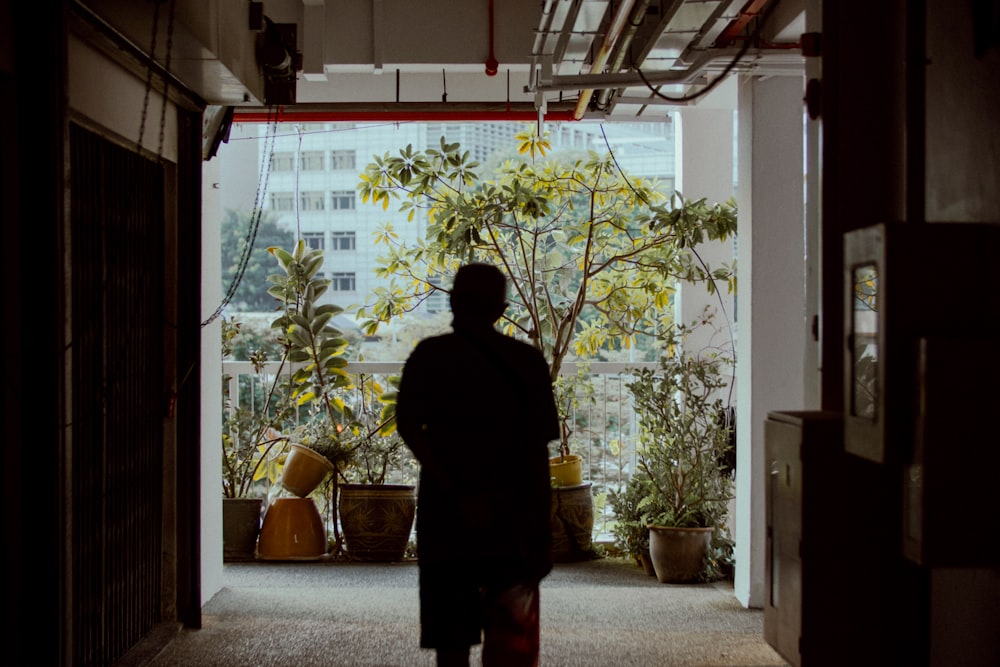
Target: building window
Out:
[342,200]
[342,282]
[311,161]
[437,302]
[342,241]
[282,161]
[312,201]
[282,201]
[314,240]
[341,160]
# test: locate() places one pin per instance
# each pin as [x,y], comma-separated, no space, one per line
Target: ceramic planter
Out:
[572,518]
[304,470]
[377,520]
[240,528]
[292,530]
[678,554]
[566,470]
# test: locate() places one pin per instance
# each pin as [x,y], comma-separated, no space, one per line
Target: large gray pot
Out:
[240,528]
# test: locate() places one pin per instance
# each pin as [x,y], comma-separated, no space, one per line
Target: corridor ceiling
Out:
[619,60]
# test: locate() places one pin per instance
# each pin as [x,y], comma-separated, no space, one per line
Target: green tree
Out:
[592,255]
[251,295]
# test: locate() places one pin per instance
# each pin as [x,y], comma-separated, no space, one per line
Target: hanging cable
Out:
[298,195]
[255,217]
[715,289]
[752,38]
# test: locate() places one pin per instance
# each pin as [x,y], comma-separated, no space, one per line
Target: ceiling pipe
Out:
[621,50]
[689,75]
[733,31]
[421,113]
[492,66]
[566,31]
[601,58]
[544,26]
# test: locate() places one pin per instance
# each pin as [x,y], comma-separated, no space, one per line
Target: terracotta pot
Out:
[292,530]
[678,553]
[240,528]
[377,520]
[304,470]
[572,518]
[566,470]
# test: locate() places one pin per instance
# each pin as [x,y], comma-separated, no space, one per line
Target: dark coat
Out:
[477,410]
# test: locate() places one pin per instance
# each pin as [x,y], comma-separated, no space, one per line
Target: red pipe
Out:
[492,65]
[367,116]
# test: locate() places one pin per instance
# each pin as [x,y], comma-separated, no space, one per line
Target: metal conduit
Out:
[622,48]
[600,60]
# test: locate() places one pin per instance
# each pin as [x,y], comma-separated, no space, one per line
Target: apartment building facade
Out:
[306,175]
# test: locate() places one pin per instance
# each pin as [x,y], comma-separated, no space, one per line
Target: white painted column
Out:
[706,156]
[211,376]
[771,307]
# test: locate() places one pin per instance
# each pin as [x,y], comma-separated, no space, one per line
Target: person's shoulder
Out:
[521,347]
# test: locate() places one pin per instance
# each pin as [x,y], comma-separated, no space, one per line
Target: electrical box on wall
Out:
[903,283]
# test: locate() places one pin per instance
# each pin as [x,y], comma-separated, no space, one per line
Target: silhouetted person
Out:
[477,409]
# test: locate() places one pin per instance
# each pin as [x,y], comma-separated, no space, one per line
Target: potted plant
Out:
[252,451]
[591,255]
[376,516]
[684,442]
[314,350]
[630,530]
[346,421]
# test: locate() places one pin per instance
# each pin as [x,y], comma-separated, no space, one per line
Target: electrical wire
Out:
[753,38]
[718,294]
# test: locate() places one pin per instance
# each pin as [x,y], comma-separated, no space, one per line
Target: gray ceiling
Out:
[584,58]
[594,59]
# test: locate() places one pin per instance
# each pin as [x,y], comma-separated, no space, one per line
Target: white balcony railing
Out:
[604,424]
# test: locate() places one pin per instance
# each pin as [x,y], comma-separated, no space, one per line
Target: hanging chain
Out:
[258,210]
[166,79]
[149,76]
[255,218]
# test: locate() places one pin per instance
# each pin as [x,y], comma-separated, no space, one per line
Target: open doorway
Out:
[299,180]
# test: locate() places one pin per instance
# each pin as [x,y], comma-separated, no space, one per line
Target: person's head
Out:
[479,294]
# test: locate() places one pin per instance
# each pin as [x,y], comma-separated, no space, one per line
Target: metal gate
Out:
[116,434]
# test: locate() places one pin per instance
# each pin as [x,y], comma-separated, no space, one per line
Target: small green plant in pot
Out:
[684,441]
[630,530]
[378,451]
[253,447]
[314,351]
[252,443]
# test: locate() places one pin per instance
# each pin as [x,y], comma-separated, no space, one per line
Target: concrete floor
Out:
[596,613]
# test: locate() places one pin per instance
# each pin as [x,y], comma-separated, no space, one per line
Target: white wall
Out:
[118,102]
[771,299]
[211,376]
